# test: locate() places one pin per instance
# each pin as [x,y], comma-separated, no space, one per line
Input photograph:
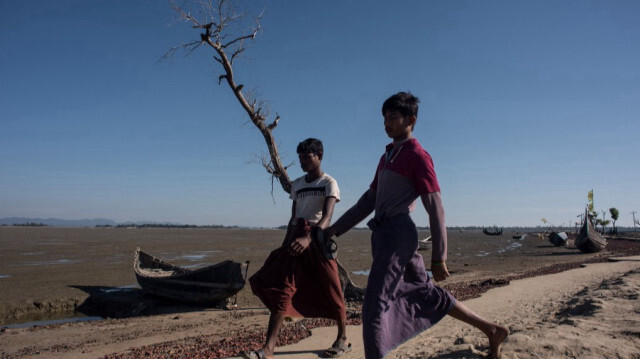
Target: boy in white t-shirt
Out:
[297,280]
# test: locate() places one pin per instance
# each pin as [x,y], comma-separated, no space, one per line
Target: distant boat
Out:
[492,232]
[589,240]
[424,244]
[210,285]
[558,239]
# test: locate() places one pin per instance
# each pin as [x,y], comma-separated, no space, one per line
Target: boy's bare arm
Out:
[354,215]
[299,245]
[433,205]
[291,220]
[327,212]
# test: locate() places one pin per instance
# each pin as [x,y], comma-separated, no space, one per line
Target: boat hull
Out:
[558,239]
[493,232]
[589,240]
[207,286]
[590,245]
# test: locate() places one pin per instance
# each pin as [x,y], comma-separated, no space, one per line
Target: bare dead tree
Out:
[218,22]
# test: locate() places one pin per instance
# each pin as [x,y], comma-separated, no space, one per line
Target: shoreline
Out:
[157,329]
[544,306]
[130,301]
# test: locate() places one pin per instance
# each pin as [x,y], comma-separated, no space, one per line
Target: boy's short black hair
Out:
[310,145]
[403,102]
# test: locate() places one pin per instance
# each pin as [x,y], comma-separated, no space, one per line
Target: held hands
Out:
[329,232]
[299,245]
[439,270]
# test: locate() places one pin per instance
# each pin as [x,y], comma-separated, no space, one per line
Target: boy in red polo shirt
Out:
[401,300]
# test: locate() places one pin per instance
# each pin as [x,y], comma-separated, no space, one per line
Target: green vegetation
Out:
[29,224]
[603,223]
[614,217]
[166,225]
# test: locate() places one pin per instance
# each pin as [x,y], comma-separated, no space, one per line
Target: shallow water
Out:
[49,322]
[510,247]
[362,272]
[47,263]
[193,257]
[121,289]
[192,260]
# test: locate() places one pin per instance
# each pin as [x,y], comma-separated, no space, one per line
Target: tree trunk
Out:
[227,47]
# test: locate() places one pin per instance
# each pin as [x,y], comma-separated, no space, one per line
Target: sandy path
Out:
[591,312]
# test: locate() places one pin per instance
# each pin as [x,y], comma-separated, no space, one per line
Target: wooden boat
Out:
[589,240]
[210,285]
[424,244]
[558,239]
[492,232]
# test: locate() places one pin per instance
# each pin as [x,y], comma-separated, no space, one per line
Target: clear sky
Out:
[525,107]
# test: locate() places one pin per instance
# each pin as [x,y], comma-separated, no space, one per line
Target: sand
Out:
[585,312]
[591,312]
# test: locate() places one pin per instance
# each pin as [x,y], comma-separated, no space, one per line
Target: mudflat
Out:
[48,272]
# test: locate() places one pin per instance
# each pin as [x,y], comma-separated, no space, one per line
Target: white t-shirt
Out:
[310,196]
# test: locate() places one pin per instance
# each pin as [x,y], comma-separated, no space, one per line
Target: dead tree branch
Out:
[218,22]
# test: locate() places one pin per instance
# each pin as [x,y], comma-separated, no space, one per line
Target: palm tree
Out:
[614,217]
[603,223]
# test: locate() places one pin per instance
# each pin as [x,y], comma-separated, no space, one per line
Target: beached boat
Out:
[424,244]
[589,240]
[210,285]
[493,231]
[558,239]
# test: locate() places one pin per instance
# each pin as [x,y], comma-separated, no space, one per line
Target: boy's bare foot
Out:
[268,354]
[256,354]
[498,336]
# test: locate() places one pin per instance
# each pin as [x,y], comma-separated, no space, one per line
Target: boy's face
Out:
[398,126]
[309,161]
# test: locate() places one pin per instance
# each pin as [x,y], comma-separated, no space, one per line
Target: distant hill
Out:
[56,222]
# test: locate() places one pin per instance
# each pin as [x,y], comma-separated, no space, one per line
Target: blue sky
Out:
[525,107]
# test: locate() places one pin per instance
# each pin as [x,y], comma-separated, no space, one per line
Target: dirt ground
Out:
[60,272]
